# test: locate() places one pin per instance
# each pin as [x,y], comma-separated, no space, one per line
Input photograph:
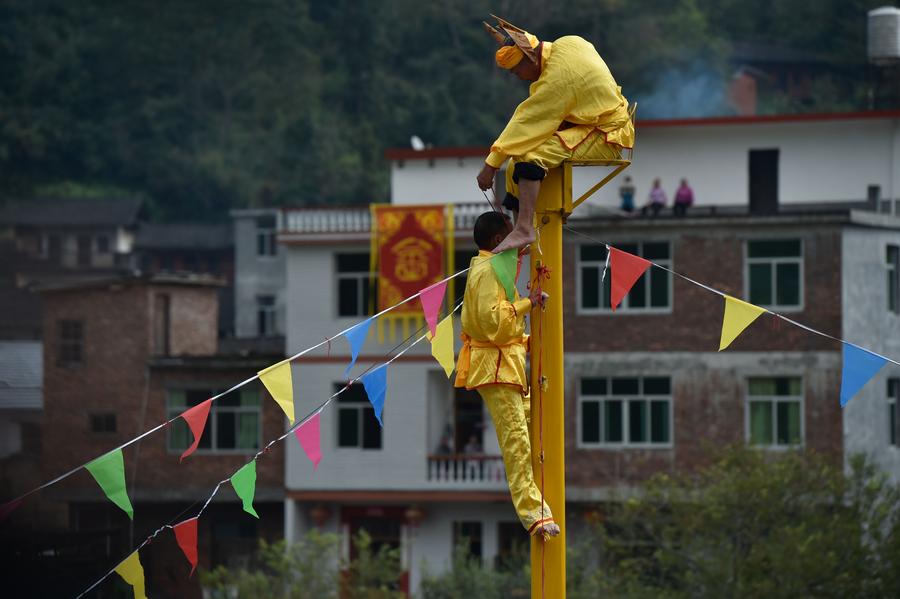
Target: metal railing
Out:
[466,468]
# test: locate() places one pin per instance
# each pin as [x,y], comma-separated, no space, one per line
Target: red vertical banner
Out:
[411,246]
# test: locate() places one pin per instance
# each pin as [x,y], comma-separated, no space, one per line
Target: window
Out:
[103,423]
[650,293]
[763,179]
[775,273]
[357,425]
[102,244]
[233,426]
[461,260]
[83,245]
[512,547]
[469,535]
[893,394]
[265,315]
[893,278]
[774,411]
[621,411]
[54,248]
[266,243]
[71,342]
[353,284]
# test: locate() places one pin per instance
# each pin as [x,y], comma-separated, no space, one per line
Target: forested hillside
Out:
[204,105]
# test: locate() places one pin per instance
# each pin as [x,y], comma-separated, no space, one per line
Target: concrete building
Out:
[647,390]
[122,355]
[259,287]
[21,403]
[807,159]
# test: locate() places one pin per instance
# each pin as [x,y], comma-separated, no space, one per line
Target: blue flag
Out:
[860,365]
[357,337]
[375,383]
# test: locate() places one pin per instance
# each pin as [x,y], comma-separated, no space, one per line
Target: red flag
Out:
[186,535]
[9,507]
[626,270]
[196,419]
[432,297]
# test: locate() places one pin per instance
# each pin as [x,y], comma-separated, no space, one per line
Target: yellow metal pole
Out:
[548,559]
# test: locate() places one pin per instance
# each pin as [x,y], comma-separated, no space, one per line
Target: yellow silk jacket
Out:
[494,340]
[575,87]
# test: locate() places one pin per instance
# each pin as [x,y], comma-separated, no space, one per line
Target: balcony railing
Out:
[468,468]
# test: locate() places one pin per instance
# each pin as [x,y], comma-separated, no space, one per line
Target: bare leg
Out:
[523,234]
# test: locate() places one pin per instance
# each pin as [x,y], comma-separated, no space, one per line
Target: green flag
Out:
[109,472]
[505,265]
[244,483]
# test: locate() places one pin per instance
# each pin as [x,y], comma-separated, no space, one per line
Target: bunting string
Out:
[315,412]
[237,386]
[720,293]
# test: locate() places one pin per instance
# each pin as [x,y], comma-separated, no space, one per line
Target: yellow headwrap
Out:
[508,57]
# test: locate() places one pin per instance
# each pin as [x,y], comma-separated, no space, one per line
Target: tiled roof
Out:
[21,375]
[76,212]
[183,236]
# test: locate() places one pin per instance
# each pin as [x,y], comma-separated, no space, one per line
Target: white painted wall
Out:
[255,275]
[819,161]
[867,322]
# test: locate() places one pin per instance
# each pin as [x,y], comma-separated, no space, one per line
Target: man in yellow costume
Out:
[492,361]
[574,111]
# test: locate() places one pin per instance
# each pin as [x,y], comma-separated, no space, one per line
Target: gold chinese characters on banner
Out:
[412,248]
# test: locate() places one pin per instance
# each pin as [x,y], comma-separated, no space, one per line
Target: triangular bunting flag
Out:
[196,419]
[186,535]
[860,365]
[308,436]
[8,508]
[626,270]
[504,265]
[375,383]
[442,345]
[277,379]
[356,337]
[109,472]
[738,316]
[432,298]
[132,572]
[244,483]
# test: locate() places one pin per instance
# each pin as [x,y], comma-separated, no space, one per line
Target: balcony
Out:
[475,470]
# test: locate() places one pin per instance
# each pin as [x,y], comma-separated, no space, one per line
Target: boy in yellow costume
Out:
[574,111]
[492,361]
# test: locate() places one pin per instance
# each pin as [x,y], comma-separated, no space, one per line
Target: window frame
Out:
[266,316]
[212,422]
[774,399]
[267,235]
[65,343]
[893,384]
[625,306]
[104,418]
[360,407]
[893,278]
[626,443]
[363,278]
[800,260]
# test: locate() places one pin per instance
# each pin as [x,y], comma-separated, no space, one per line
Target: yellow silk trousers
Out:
[553,152]
[509,412]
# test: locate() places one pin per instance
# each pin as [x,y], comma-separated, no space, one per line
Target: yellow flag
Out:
[277,379]
[132,572]
[442,344]
[738,316]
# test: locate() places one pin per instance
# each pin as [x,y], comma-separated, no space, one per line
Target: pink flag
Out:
[196,419]
[186,535]
[626,270]
[308,435]
[432,298]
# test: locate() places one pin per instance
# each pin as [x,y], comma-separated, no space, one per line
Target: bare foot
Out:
[520,237]
[548,530]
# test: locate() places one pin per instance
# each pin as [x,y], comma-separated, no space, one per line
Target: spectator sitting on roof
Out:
[656,200]
[684,199]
